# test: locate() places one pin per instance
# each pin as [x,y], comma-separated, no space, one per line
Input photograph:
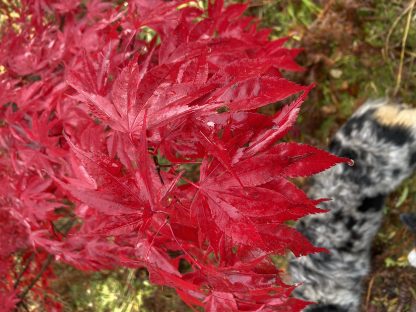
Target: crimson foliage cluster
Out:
[129,136]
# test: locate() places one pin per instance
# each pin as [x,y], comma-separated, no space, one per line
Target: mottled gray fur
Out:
[384,155]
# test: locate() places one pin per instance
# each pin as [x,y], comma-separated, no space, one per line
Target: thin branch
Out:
[390,32]
[37,277]
[65,229]
[23,271]
[24,305]
[404,40]
[158,168]
[369,290]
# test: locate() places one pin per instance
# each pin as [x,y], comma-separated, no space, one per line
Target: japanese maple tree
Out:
[130,136]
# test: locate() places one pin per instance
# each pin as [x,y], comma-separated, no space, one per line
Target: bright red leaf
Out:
[129,136]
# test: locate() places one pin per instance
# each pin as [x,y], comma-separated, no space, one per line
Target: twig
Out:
[36,278]
[390,32]
[23,271]
[259,3]
[404,40]
[24,305]
[370,287]
[158,168]
[322,14]
[65,229]
[325,10]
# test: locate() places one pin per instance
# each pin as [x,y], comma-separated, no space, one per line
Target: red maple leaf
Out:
[130,136]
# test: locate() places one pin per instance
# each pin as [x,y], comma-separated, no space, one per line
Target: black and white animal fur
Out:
[381,139]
